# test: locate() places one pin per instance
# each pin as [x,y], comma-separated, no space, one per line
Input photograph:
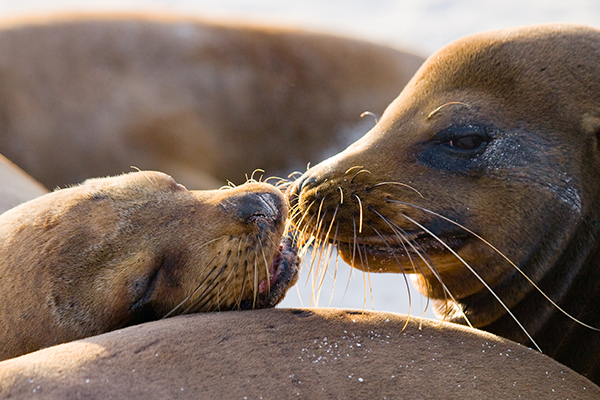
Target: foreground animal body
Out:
[118,251]
[491,153]
[293,353]
[89,96]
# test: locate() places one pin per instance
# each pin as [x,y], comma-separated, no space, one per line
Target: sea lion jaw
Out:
[118,251]
[482,139]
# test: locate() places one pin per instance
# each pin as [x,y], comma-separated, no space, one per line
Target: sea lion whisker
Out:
[207,290]
[330,248]
[317,250]
[255,288]
[431,114]
[358,173]
[483,282]
[324,247]
[351,168]
[351,274]
[264,257]
[425,258]
[341,195]
[362,262]
[305,236]
[360,210]
[239,301]
[307,212]
[401,268]
[365,113]
[198,286]
[365,262]
[337,257]
[487,243]
[317,233]
[254,172]
[395,183]
[403,239]
[193,292]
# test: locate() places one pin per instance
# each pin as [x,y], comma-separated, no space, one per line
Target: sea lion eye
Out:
[471,142]
[464,139]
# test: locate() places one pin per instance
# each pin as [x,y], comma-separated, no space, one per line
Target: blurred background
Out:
[421,27]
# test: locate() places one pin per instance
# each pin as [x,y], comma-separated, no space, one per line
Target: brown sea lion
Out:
[491,153]
[289,354]
[117,251]
[89,96]
[16,186]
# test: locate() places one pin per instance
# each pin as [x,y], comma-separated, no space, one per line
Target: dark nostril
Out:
[308,183]
[265,206]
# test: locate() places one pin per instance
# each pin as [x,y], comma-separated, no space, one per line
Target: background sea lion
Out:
[16,186]
[494,142]
[117,251]
[292,353]
[91,96]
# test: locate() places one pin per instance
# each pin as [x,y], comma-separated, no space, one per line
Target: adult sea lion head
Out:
[118,251]
[491,151]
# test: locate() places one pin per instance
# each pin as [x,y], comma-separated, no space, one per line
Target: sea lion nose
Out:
[261,207]
[304,182]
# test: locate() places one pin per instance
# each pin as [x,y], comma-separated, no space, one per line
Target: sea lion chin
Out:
[118,251]
[489,154]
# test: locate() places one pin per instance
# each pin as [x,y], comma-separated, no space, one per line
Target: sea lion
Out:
[117,251]
[16,186]
[292,353]
[206,102]
[491,153]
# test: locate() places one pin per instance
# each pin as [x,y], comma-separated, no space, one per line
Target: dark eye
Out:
[471,142]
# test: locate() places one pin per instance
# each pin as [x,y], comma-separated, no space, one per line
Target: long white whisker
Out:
[505,258]
[484,283]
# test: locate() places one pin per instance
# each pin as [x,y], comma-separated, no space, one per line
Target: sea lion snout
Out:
[263,208]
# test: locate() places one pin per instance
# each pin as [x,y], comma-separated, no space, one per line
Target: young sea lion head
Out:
[117,251]
[491,148]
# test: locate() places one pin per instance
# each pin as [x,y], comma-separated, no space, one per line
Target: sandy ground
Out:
[421,26]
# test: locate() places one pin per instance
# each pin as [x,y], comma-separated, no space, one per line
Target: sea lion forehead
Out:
[131,185]
[507,59]
[542,78]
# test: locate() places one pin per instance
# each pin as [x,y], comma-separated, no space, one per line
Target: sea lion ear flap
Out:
[591,126]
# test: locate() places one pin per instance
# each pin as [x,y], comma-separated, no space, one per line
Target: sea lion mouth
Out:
[395,248]
[283,274]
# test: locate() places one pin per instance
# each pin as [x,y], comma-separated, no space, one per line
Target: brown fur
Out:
[531,188]
[294,353]
[118,251]
[91,96]
[16,186]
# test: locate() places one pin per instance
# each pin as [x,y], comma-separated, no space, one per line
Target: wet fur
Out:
[406,199]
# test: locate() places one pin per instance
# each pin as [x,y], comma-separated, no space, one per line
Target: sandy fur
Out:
[117,251]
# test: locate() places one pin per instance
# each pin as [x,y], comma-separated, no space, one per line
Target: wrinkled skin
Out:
[118,251]
[495,138]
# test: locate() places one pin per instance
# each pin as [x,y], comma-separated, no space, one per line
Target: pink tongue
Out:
[262,287]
